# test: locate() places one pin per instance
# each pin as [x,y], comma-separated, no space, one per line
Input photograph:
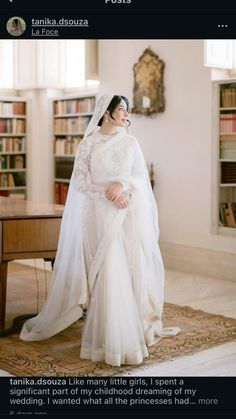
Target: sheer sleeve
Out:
[81,173]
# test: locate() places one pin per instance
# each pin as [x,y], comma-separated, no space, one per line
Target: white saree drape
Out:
[108,259]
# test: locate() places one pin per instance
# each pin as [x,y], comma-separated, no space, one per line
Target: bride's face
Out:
[120,114]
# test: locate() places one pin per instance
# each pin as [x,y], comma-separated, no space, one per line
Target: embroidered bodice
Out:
[100,160]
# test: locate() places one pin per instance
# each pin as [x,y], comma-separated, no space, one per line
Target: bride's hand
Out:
[113,191]
[122,201]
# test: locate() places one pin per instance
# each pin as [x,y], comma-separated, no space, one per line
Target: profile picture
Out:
[16,26]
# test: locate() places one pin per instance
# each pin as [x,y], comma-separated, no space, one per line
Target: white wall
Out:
[40,144]
[177,141]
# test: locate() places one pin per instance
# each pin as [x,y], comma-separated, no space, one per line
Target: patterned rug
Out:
[59,355]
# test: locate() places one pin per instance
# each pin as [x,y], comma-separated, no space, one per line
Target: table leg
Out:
[3,293]
[17,321]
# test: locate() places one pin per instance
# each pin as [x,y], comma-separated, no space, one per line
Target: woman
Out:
[16,28]
[108,259]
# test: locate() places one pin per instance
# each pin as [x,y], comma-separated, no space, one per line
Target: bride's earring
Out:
[106,118]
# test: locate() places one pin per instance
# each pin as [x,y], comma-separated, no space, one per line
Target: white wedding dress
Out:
[108,259]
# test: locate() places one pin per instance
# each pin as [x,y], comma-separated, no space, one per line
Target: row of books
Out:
[228,150]
[74,106]
[228,172]
[9,180]
[76,124]
[66,146]
[228,97]
[228,214]
[12,108]
[12,162]
[12,144]
[228,122]
[63,168]
[227,193]
[227,137]
[61,190]
[17,126]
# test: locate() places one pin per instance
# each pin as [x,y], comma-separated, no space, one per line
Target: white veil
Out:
[68,293]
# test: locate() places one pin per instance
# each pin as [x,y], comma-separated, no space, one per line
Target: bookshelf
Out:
[13,147]
[71,115]
[225,150]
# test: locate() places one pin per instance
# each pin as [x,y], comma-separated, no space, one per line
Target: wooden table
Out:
[28,230]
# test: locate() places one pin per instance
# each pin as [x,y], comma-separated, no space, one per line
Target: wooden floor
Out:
[201,292]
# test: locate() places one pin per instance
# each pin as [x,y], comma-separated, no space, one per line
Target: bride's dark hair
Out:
[113,104]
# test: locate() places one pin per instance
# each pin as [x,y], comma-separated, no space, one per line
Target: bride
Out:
[108,259]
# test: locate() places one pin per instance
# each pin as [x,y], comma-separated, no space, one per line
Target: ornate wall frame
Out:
[148,91]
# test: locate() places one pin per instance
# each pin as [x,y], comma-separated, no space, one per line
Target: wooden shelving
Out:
[225,153]
[71,115]
[13,147]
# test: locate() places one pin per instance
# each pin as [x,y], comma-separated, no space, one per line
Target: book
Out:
[19,178]
[3,162]
[228,172]
[231,212]
[57,193]
[17,162]
[228,216]
[222,214]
